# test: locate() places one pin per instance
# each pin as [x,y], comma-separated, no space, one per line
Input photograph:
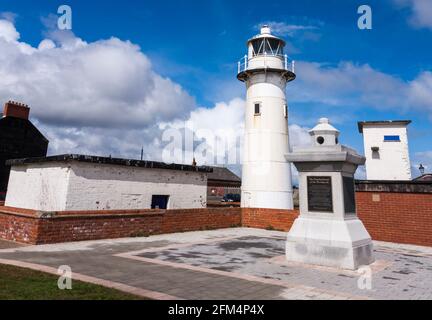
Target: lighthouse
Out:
[266,175]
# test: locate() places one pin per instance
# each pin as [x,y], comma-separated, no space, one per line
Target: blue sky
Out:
[343,73]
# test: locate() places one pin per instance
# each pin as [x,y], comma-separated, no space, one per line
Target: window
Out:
[267,46]
[274,47]
[258,47]
[285,111]
[159,202]
[257,109]
[320,140]
[391,138]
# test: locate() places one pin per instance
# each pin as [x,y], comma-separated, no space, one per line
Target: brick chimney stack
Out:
[16,110]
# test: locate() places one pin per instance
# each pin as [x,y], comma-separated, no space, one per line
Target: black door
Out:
[159,202]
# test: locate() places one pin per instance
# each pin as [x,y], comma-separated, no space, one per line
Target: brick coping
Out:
[19,212]
[36,214]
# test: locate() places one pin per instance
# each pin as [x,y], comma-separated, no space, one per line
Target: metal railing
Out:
[243,64]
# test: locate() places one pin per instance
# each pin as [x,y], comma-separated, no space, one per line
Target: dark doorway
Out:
[159,202]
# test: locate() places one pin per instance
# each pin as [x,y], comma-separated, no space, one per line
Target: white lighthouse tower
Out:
[266,176]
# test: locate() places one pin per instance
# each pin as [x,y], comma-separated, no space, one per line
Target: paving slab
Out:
[238,263]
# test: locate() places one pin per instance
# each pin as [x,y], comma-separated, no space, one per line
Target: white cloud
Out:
[347,85]
[420,92]
[108,83]
[360,174]
[221,128]
[99,98]
[115,142]
[420,12]
[286,29]
[301,32]
[46,44]
[8,32]
[9,16]
[424,158]
[299,136]
[222,117]
[104,98]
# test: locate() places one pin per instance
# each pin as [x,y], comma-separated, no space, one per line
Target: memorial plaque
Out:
[319,190]
[349,195]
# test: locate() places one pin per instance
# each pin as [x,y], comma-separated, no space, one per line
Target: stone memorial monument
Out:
[328,231]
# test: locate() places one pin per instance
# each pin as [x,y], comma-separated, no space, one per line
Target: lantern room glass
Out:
[267,46]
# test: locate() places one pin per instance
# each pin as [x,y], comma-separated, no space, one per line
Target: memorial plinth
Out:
[328,231]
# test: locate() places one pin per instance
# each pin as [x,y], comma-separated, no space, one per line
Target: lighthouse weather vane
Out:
[266,175]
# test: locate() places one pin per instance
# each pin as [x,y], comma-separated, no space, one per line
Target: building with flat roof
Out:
[222,181]
[82,183]
[386,149]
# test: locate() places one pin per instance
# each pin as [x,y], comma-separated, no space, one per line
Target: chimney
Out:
[16,110]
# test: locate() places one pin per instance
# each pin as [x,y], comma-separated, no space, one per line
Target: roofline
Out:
[391,182]
[27,120]
[112,161]
[423,187]
[360,124]
[266,36]
[234,179]
[422,176]
[225,180]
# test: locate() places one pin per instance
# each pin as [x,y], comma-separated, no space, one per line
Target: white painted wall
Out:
[392,161]
[120,187]
[266,181]
[88,186]
[39,186]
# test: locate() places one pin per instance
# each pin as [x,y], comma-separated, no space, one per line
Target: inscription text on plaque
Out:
[319,190]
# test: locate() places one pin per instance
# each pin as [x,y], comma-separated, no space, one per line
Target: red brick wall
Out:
[200,219]
[25,225]
[18,228]
[67,229]
[271,219]
[397,217]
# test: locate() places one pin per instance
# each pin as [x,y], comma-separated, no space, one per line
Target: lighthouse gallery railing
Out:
[243,64]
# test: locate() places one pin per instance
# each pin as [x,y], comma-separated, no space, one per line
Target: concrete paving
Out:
[9,244]
[239,263]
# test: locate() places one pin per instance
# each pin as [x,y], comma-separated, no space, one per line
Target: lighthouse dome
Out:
[265,43]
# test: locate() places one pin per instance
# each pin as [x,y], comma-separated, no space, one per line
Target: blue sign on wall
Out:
[391,138]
